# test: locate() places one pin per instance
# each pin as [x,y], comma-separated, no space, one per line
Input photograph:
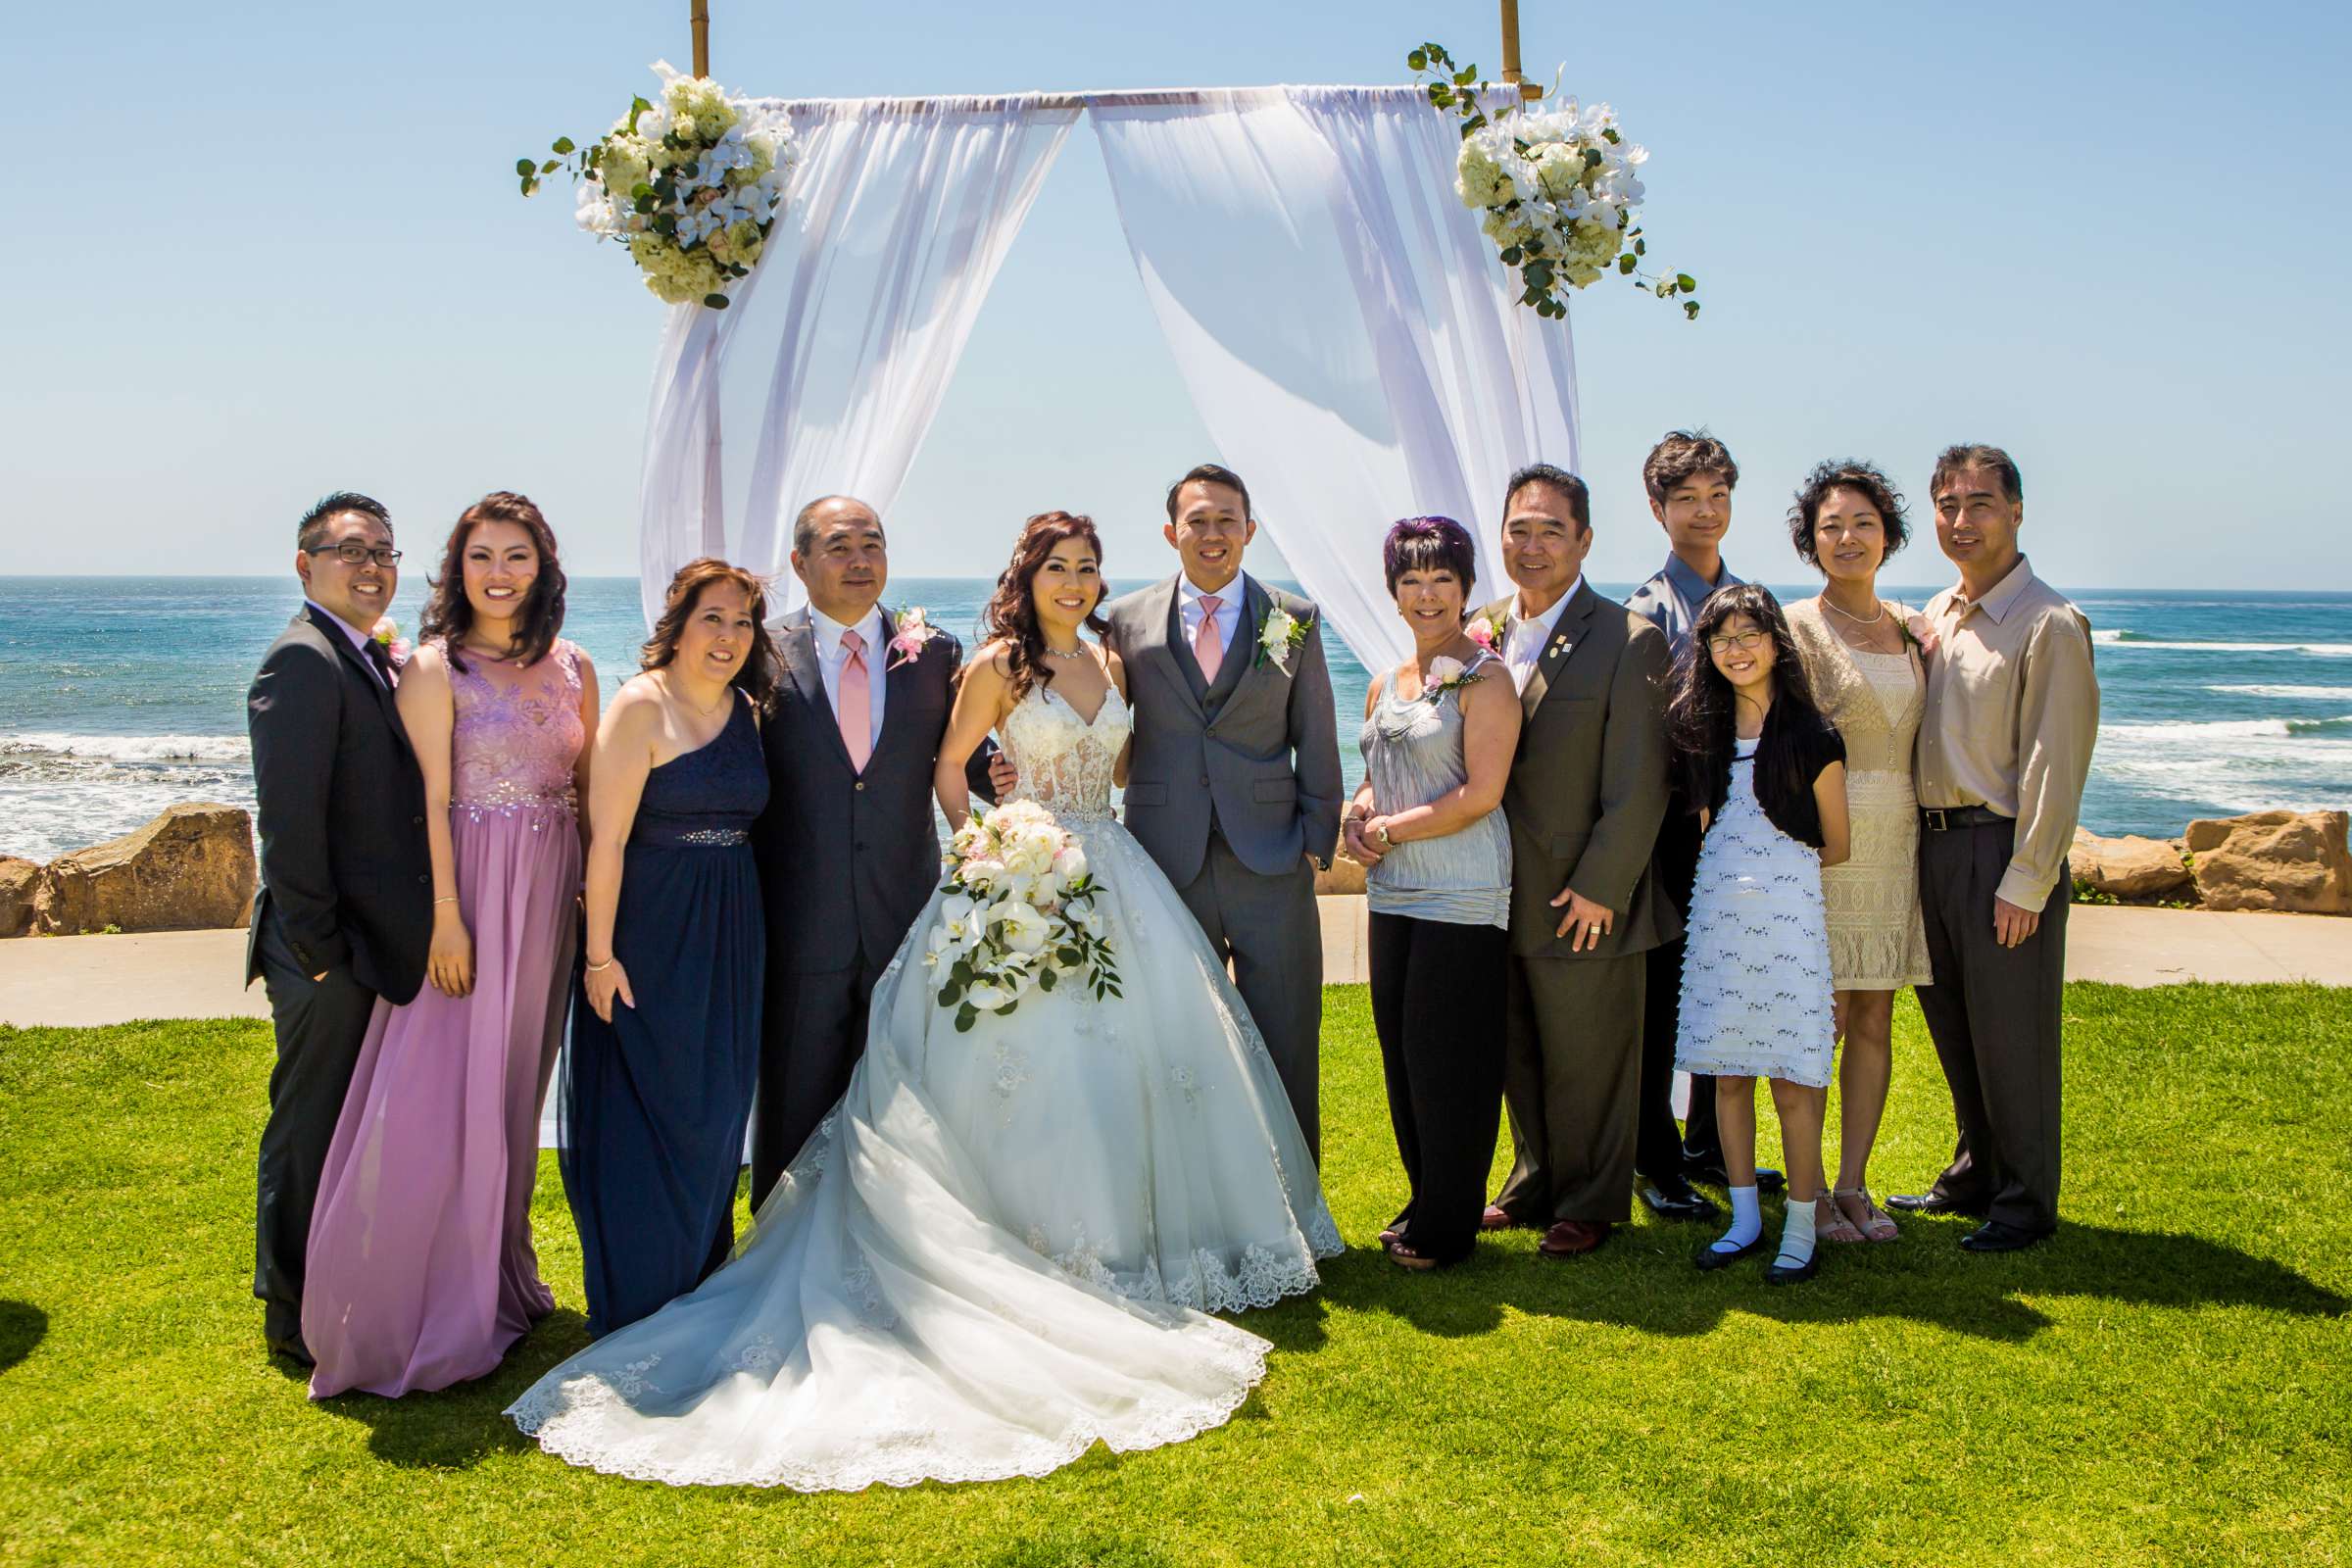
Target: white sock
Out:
[1747,1219]
[1797,1236]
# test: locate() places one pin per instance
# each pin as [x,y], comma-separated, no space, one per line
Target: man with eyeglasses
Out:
[345,909]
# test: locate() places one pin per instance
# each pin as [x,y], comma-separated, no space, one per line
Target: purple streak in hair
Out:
[1417,544]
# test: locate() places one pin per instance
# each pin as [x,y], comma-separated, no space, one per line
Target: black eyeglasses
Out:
[354,553]
[1747,642]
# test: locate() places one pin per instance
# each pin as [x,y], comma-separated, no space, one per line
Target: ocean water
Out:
[121,696]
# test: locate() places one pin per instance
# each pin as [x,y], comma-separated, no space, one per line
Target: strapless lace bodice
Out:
[1065,763]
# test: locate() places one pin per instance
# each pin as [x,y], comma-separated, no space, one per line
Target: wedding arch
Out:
[1374,362]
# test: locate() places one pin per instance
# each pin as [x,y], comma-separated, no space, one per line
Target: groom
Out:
[1234,786]
[346,903]
[847,849]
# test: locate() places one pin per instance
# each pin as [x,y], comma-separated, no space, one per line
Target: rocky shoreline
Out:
[193,868]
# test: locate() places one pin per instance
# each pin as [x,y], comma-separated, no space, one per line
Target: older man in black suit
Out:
[345,909]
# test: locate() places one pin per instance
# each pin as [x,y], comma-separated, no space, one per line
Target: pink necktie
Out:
[1205,647]
[856,711]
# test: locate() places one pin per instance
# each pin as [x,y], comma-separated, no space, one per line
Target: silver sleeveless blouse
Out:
[1413,754]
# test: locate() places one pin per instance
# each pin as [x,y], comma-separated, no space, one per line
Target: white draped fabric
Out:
[1343,328]
[1362,361]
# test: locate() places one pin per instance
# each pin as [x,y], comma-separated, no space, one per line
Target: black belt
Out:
[1938,819]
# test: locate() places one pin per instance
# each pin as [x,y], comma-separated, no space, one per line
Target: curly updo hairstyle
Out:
[756,673]
[448,616]
[1012,611]
[1804,512]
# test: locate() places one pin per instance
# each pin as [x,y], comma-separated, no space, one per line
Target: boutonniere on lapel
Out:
[1279,635]
[1489,630]
[908,632]
[396,647]
[1920,633]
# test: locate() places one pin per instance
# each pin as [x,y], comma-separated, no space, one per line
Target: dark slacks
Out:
[1659,1148]
[1994,1014]
[320,1026]
[814,1032]
[1437,1008]
[1268,928]
[1572,1074]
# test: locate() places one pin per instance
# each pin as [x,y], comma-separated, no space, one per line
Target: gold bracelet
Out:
[448,899]
[599,968]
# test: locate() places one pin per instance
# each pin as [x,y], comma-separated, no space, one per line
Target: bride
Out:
[999,1248]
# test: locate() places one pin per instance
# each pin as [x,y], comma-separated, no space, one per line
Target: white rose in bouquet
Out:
[1070,863]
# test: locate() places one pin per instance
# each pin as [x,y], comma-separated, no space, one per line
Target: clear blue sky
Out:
[291,257]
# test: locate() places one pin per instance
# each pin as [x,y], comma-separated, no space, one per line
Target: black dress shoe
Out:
[1713,1172]
[1671,1197]
[292,1348]
[1998,1236]
[1709,1259]
[1778,1273]
[1935,1202]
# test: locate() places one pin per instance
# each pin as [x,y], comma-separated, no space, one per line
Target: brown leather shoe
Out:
[1573,1237]
[1495,1219]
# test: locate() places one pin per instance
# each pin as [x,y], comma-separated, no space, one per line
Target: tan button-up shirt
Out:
[2013,710]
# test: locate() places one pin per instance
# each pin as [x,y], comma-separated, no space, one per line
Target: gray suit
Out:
[1587,792]
[1234,786]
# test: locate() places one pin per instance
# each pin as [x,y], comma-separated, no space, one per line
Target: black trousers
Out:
[1658,1148]
[813,1034]
[320,1025]
[1995,1015]
[1438,1006]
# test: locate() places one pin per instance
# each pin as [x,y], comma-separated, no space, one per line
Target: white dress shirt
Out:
[1523,649]
[359,638]
[832,659]
[1228,616]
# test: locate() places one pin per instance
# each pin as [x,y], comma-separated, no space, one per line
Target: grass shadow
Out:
[458,1428]
[1642,1282]
[22,1326]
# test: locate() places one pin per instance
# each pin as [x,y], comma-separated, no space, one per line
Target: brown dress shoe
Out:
[1572,1238]
[1495,1219]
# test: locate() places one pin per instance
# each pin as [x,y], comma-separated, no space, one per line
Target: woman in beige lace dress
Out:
[1868,678]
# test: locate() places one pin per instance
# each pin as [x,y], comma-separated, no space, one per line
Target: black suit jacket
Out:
[345,865]
[847,860]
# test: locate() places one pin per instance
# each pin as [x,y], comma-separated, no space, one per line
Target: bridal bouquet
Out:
[691,184]
[1558,187]
[1018,915]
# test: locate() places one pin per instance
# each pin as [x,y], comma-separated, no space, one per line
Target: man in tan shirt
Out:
[2012,711]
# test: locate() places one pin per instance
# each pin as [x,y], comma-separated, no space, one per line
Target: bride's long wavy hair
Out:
[1012,611]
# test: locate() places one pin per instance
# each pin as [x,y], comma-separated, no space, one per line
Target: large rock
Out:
[16,879]
[2274,861]
[1345,876]
[192,868]
[2129,867]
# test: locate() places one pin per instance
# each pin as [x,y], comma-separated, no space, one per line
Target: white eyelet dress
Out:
[1756,965]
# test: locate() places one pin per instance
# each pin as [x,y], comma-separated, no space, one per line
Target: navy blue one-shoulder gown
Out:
[655,1102]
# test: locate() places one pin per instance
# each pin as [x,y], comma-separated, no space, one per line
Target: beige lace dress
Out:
[1876,941]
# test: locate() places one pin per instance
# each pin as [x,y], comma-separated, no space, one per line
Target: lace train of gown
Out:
[998,1249]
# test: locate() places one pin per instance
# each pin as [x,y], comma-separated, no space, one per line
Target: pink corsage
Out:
[396,647]
[907,641]
[1486,631]
[1920,632]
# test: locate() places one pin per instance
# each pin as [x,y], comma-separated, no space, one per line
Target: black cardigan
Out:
[1788,763]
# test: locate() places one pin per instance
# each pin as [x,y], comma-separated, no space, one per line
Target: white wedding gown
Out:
[999,1248]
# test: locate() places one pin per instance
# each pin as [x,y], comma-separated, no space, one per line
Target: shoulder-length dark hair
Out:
[449,614]
[1012,611]
[1865,482]
[756,674]
[1700,717]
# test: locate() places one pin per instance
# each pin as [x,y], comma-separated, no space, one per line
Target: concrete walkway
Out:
[74,981]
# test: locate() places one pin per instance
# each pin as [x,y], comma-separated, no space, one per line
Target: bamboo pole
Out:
[1510,52]
[700,14]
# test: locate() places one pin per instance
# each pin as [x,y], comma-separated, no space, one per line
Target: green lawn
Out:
[2170,1381]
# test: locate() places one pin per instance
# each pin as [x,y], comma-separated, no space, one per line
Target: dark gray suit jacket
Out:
[340,803]
[1587,786]
[1258,749]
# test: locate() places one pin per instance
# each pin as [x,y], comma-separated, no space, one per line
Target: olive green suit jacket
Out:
[1588,784]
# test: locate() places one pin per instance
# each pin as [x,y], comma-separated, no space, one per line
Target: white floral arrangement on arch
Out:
[1018,915]
[1559,187]
[691,184]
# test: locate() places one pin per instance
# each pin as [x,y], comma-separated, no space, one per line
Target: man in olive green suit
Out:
[1587,792]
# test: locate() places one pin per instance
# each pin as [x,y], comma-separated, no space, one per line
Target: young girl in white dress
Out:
[1768,773]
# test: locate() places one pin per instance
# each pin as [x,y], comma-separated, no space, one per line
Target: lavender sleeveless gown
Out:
[421,1272]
